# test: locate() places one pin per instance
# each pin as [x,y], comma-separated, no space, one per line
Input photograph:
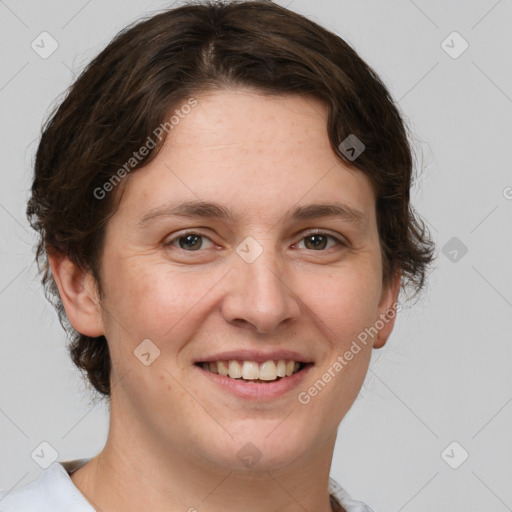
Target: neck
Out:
[128,474]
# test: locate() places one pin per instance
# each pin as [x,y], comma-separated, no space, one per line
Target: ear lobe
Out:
[77,290]
[387,310]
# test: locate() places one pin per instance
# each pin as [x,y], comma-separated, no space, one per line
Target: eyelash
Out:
[186,233]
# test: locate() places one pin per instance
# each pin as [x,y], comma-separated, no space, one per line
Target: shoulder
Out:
[53,491]
[345,500]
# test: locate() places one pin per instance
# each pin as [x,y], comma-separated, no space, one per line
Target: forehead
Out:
[253,124]
[255,153]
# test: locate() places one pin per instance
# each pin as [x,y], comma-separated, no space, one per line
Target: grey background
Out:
[444,375]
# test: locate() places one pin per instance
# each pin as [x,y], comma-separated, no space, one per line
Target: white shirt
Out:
[54,491]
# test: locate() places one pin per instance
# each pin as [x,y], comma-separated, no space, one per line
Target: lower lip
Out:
[257,390]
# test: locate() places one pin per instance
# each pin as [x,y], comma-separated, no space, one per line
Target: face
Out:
[272,279]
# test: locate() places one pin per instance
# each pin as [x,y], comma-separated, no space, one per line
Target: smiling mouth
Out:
[251,371]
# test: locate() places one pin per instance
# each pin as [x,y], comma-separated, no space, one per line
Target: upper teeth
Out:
[268,370]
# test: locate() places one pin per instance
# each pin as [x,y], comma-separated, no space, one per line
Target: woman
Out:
[223,207]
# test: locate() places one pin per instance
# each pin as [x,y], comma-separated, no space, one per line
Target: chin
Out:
[258,450]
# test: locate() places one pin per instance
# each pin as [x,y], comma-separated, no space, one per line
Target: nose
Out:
[259,295]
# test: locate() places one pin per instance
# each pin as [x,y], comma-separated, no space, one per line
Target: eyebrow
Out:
[213,210]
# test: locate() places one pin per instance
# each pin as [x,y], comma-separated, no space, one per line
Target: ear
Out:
[387,310]
[78,293]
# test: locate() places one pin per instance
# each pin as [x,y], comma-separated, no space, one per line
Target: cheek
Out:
[345,301]
[151,301]
[343,308]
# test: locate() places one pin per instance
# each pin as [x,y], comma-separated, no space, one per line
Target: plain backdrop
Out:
[430,430]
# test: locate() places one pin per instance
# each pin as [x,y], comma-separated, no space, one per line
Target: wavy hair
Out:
[156,63]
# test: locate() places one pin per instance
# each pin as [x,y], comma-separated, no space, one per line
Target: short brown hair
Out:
[153,65]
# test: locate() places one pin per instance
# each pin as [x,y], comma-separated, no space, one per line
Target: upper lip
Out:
[255,355]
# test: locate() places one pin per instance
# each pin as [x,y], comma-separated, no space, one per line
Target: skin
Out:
[174,437]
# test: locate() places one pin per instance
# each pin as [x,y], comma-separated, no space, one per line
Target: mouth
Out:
[265,372]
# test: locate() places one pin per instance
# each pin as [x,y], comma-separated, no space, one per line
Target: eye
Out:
[318,241]
[189,241]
